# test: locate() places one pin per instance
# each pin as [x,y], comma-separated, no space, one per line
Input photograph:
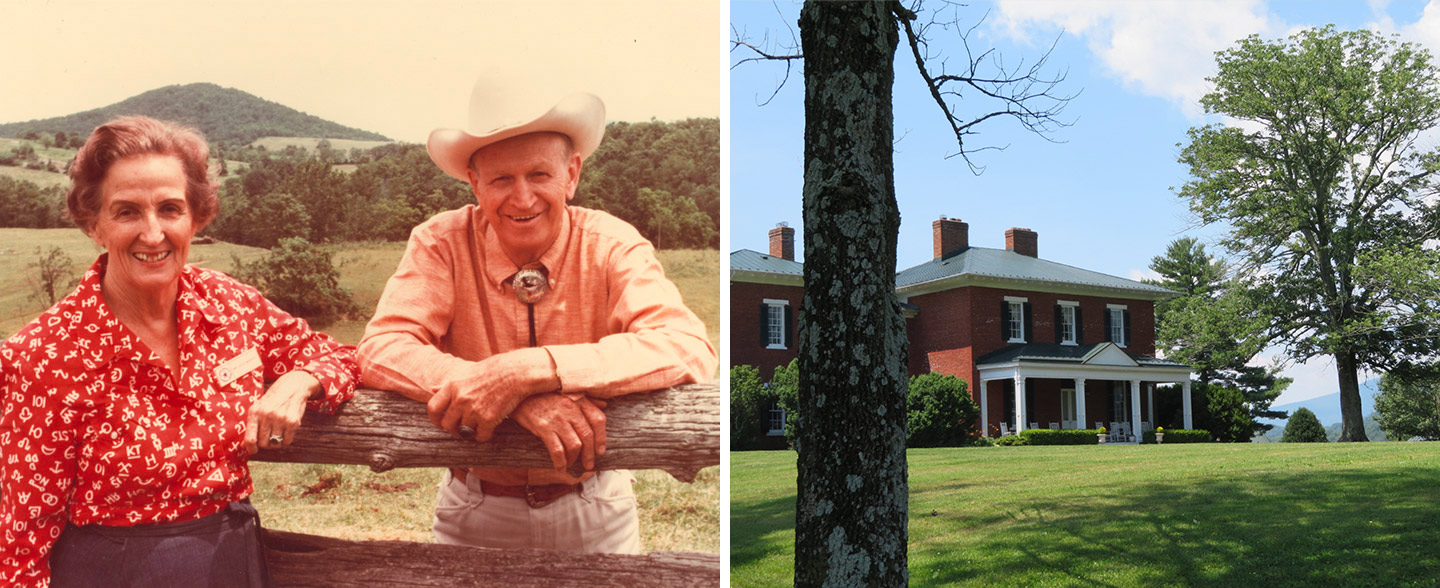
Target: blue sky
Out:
[1103,197]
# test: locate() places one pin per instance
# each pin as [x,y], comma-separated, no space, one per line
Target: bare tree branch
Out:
[1026,94]
[739,40]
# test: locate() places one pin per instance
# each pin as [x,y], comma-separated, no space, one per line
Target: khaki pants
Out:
[600,518]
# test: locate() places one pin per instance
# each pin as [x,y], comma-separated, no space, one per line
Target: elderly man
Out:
[524,307]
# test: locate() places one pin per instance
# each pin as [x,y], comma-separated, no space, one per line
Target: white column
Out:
[1020,416]
[1185,402]
[1135,409]
[1150,402]
[984,409]
[1080,422]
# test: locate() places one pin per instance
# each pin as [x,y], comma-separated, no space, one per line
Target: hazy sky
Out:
[397,68]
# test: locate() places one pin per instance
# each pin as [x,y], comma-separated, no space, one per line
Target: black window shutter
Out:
[1107,324]
[764,325]
[789,327]
[1079,327]
[1127,326]
[1029,334]
[1059,326]
[1004,320]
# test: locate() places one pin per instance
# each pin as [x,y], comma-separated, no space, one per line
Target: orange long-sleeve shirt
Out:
[611,321]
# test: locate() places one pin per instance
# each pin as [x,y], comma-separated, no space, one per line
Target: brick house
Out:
[765,295]
[1039,343]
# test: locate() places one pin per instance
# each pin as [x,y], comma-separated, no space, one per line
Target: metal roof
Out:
[755,261]
[1008,265]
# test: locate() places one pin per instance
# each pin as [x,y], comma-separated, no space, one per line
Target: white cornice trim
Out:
[753,277]
[1051,287]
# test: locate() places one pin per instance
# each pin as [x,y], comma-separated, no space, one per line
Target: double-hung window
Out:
[1117,324]
[1067,319]
[1016,324]
[777,421]
[777,323]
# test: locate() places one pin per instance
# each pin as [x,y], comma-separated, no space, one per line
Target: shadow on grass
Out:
[1312,528]
[752,530]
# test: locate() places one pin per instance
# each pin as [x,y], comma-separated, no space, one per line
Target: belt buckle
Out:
[536,502]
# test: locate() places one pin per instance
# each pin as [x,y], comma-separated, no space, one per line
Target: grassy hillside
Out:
[224,115]
[42,178]
[1222,515]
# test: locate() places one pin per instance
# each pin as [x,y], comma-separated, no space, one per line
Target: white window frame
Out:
[1017,319]
[1117,323]
[1069,332]
[775,321]
[776,416]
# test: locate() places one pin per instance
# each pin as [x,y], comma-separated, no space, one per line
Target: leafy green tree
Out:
[939,412]
[1408,404]
[1227,416]
[1303,427]
[51,274]
[1324,196]
[784,390]
[1207,328]
[301,279]
[748,398]
[674,222]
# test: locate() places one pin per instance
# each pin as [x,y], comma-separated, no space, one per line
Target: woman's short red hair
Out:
[129,136]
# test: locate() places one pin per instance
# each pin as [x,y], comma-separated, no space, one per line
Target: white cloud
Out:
[1144,274]
[1162,49]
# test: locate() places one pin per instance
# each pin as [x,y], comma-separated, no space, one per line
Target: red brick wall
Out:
[745,342]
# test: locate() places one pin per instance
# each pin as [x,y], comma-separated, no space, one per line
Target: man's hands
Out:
[570,426]
[277,413]
[492,390]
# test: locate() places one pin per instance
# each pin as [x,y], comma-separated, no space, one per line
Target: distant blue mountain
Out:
[1327,408]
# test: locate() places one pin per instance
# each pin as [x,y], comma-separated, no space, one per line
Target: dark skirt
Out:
[222,550]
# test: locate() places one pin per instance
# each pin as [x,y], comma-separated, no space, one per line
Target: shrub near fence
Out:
[1181,436]
[1060,436]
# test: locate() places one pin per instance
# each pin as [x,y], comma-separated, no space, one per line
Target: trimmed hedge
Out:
[1011,440]
[1060,436]
[1181,436]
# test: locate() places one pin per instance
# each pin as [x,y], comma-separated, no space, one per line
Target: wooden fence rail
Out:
[676,430]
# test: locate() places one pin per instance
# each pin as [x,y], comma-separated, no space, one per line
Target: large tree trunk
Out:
[850,519]
[1352,415]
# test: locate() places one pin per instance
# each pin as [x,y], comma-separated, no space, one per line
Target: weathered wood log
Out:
[676,430]
[310,561]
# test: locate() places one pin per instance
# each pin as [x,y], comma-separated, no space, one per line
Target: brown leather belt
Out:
[535,496]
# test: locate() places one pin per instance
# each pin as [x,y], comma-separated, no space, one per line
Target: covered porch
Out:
[1075,387]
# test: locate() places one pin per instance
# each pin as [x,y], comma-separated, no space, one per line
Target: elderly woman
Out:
[132,406]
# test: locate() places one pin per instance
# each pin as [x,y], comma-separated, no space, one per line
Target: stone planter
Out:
[1159,437]
[1102,437]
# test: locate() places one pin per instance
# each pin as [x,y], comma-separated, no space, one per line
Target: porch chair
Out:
[1034,425]
[1123,436]
[1004,429]
[1098,425]
[1145,427]
[1115,432]
[1054,426]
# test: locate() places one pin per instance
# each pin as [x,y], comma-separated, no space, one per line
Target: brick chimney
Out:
[782,242]
[1022,241]
[951,236]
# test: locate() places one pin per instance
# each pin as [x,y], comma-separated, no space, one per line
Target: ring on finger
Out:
[277,439]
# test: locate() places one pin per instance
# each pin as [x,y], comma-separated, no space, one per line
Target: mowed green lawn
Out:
[1268,515]
[350,501]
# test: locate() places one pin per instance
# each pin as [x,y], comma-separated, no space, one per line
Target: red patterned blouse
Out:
[95,429]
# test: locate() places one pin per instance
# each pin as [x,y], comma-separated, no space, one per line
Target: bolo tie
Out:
[530,286]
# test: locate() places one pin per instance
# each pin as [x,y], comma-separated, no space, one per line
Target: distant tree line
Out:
[662,177]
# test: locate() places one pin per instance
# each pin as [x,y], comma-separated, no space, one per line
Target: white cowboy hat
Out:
[498,112]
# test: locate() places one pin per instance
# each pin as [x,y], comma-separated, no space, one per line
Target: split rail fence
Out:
[676,430]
